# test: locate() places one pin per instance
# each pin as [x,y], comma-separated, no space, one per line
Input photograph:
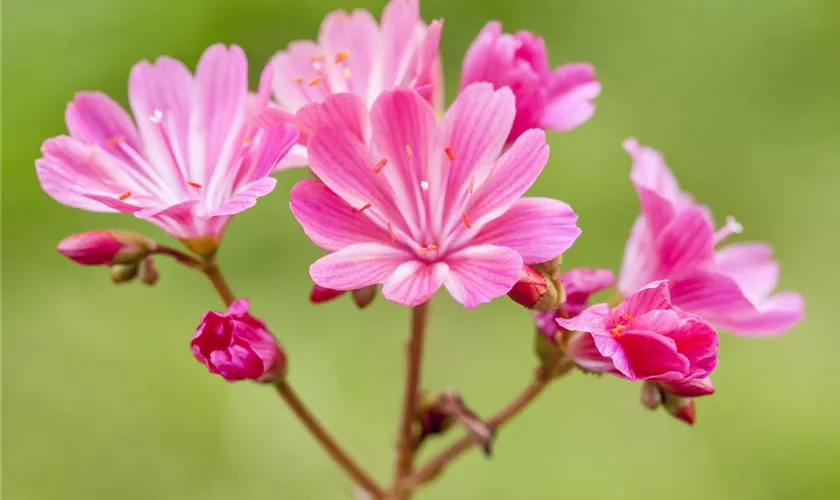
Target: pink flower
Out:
[674,239]
[579,284]
[191,161]
[427,205]
[647,338]
[354,54]
[559,99]
[237,346]
[93,248]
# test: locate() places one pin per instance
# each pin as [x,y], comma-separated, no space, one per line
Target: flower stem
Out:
[327,441]
[543,376]
[405,441]
[180,256]
[215,275]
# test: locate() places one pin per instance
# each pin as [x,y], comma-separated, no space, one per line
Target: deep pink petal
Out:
[270,148]
[651,173]
[591,320]
[539,229]
[571,90]
[585,353]
[651,356]
[339,110]
[698,342]
[652,296]
[481,273]
[685,244]
[357,266]
[690,388]
[425,75]
[513,174]
[399,29]
[329,222]
[414,282]
[180,221]
[710,295]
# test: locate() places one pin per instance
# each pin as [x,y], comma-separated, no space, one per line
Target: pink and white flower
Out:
[647,338]
[419,205]
[238,346]
[188,161]
[355,54]
[559,99]
[674,239]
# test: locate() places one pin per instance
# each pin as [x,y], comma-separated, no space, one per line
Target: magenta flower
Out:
[427,205]
[354,54]
[559,99]
[647,338]
[238,346]
[192,160]
[674,239]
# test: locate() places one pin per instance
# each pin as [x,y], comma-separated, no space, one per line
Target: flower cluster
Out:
[410,196]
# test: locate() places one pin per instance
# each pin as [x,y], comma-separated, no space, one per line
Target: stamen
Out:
[124,196]
[194,184]
[618,330]
[629,317]
[365,207]
[298,80]
[380,165]
[428,249]
[466,220]
[450,154]
[346,73]
[248,141]
[472,185]
[317,58]
[341,56]
[732,226]
[316,81]
[113,141]
[157,116]
[409,152]
[391,232]
[424,185]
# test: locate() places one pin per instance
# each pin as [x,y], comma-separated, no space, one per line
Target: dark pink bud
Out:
[364,296]
[320,294]
[534,290]
[690,388]
[94,248]
[683,409]
[238,346]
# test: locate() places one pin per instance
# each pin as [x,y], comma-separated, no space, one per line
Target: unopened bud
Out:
[535,291]
[148,272]
[451,404]
[681,408]
[320,294]
[651,395]
[123,273]
[364,296]
[105,247]
[551,267]
[690,389]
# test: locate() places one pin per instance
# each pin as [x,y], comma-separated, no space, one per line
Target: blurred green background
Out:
[102,399]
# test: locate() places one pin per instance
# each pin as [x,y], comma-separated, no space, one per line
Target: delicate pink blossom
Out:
[191,161]
[647,338]
[93,248]
[674,239]
[355,54]
[427,205]
[237,346]
[559,99]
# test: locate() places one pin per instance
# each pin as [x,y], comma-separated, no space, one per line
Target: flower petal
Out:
[710,295]
[481,273]
[401,26]
[650,356]
[572,88]
[339,110]
[585,353]
[638,266]
[357,36]
[329,222]
[357,266]
[245,197]
[751,265]
[272,146]
[685,244]
[415,282]
[773,316]
[591,320]
[293,71]
[94,118]
[539,229]
[652,296]
[698,342]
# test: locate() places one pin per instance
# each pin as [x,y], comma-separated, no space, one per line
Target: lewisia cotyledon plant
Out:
[415,205]
[558,99]
[189,160]
[674,239]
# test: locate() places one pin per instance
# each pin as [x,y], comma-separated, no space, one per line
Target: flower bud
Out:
[123,273]
[105,247]
[320,294]
[682,408]
[364,296]
[651,395]
[238,346]
[551,267]
[690,388]
[535,291]
[449,408]
[148,272]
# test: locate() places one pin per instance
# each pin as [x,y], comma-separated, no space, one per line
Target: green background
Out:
[102,399]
